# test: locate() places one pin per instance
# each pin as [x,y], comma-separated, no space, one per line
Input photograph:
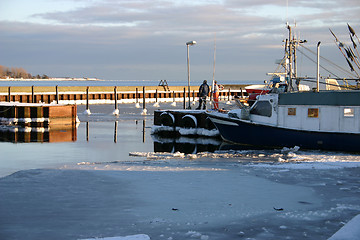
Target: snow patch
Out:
[87,112]
[144,111]
[350,231]
[185,131]
[116,112]
[157,155]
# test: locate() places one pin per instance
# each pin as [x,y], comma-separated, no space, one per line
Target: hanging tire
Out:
[189,121]
[209,124]
[167,119]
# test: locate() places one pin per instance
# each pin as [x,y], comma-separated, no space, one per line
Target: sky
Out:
[146,39]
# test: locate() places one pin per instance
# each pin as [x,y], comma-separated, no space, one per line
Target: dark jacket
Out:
[204,90]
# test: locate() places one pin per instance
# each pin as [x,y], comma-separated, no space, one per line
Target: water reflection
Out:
[104,131]
[185,145]
[18,134]
[115,131]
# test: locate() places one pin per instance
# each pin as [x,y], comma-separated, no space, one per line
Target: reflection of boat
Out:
[309,119]
[28,134]
[185,144]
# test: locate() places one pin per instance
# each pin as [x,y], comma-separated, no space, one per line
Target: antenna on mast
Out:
[213,80]
[287,12]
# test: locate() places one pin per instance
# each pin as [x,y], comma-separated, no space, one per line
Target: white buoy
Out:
[173,104]
[144,111]
[87,112]
[137,105]
[228,103]
[156,104]
[193,103]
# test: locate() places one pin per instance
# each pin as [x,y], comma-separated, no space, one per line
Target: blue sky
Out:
[143,39]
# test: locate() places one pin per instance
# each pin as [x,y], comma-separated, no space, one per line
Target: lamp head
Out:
[191,43]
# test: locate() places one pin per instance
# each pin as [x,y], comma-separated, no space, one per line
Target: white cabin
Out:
[324,111]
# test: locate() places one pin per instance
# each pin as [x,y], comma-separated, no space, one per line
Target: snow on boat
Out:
[318,119]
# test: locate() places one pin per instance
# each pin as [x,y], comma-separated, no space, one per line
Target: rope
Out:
[327,60]
[6,110]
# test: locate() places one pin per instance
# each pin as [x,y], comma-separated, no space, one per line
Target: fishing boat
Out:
[289,115]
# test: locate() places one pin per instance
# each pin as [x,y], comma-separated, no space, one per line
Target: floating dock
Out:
[38,115]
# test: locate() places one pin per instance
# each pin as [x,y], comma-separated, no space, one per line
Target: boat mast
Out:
[291,59]
[290,48]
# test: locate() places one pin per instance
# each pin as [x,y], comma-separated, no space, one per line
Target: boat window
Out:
[348,112]
[262,108]
[313,112]
[292,111]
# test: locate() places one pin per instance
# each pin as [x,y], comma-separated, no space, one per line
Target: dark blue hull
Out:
[248,133]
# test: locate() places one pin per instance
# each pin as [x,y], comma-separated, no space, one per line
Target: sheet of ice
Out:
[132,237]
[351,231]
[175,195]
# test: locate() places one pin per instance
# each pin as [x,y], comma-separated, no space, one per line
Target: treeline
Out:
[15,72]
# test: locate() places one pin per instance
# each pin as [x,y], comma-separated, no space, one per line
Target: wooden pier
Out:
[98,95]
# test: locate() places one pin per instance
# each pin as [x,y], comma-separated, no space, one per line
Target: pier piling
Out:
[32,94]
[9,94]
[144,97]
[184,98]
[57,94]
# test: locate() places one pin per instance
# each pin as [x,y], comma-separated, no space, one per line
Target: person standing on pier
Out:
[216,91]
[203,93]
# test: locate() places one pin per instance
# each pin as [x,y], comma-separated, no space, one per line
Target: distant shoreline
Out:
[51,79]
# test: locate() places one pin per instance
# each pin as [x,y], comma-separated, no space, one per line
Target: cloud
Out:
[145,35]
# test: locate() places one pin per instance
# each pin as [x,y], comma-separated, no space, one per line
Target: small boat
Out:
[258,89]
[288,117]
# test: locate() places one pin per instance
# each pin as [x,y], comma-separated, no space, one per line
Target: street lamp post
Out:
[188,67]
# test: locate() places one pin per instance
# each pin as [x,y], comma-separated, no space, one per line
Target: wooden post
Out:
[87,98]
[184,98]
[9,94]
[156,95]
[144,97]
[229,95]
[174,96]
[32,94]
[136,95]
[193,96]
[241,92]
[57,94]
[115,97]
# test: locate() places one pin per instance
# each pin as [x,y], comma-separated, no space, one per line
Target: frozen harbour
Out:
[99,189]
